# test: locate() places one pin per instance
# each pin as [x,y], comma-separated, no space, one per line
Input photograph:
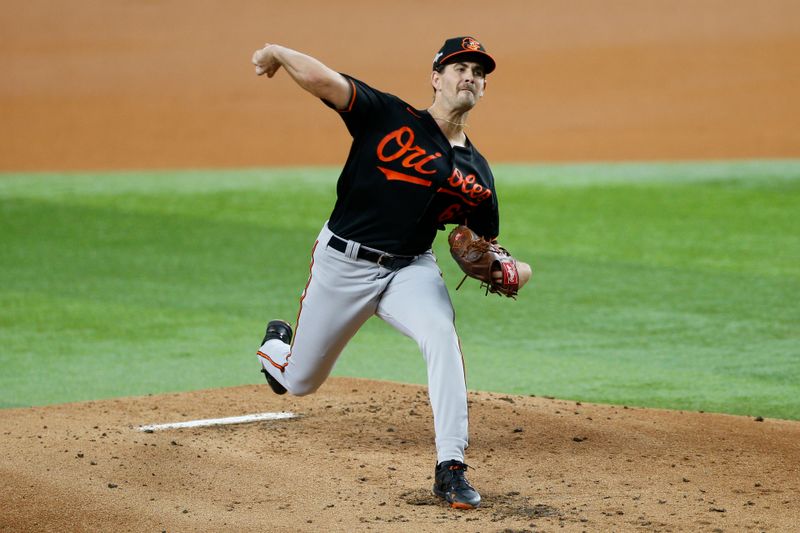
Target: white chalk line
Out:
[219,421]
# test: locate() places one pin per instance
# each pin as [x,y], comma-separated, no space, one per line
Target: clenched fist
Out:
[266,60]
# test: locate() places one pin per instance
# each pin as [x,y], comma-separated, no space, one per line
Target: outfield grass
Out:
[664,285]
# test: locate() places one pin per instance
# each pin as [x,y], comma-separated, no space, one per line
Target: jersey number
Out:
[451,213]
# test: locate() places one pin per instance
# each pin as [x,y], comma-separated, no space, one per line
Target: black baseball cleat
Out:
[277,329]
[452,485]
[277,388]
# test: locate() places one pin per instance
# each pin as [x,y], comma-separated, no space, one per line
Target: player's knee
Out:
[303,388]
[438,331]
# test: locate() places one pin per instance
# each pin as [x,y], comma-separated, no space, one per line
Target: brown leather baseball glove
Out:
[485,261]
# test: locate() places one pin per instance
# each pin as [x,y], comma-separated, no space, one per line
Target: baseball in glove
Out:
[485,261]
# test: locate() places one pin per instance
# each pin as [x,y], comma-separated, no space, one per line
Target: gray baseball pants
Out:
[341,294]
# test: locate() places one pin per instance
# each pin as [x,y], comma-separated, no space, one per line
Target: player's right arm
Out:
[309,73]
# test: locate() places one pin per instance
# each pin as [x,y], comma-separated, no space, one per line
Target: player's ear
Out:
[485,83]
[436,80]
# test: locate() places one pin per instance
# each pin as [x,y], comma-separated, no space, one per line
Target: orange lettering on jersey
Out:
[400,143]
[393,175]
[450,213]
[408,162]
[466,184]
[457,195]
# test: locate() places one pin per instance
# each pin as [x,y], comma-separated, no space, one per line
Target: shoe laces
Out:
[457,477]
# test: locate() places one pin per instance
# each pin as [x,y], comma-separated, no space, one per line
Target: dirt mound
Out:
[360,457]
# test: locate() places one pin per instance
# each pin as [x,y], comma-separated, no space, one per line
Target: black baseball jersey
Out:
[403,180]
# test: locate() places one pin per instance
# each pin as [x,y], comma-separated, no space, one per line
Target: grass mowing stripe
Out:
[668,284]
[758,173]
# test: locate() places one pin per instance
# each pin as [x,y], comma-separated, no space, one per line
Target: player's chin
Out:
[467,99]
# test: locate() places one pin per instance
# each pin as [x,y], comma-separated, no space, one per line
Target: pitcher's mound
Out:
[360,456]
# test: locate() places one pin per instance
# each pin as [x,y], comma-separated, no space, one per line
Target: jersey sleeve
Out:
[365,102]
[485,220]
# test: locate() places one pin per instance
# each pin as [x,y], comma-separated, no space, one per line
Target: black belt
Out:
[392,262]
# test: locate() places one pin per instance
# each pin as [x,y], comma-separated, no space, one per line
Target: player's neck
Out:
[452,124]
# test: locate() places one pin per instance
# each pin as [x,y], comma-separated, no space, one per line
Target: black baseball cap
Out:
[463,49]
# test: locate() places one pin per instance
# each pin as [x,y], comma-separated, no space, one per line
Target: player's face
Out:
[461,84]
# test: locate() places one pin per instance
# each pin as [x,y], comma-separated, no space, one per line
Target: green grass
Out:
[670,285]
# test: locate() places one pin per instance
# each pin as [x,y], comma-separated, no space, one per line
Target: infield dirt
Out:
[141,84]
[360,458]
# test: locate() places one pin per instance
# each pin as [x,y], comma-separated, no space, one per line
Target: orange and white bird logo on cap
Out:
[470,44]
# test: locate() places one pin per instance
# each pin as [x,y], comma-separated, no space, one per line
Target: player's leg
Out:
[416,303]
[341,294]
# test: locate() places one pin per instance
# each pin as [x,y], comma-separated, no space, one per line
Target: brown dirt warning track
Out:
[137,84]
[92,84]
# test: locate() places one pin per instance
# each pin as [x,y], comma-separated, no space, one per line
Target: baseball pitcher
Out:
[410,172]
